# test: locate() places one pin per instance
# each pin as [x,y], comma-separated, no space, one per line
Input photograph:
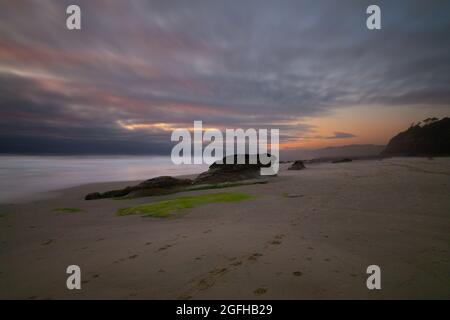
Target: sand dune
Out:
[307,234]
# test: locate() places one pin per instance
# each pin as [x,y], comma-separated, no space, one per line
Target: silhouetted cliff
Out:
[430,137]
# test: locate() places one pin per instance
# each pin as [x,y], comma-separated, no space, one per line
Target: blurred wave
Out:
[22,176]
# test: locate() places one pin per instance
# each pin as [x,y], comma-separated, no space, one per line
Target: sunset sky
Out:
[139,69]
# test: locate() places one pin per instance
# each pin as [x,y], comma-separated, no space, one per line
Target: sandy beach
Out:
[307,234]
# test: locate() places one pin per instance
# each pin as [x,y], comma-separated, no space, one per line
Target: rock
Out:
[156,186]
[117,193]
[297,165]
[430,137]
[220,171]
[342,160]
[164,182]
[93,196]
[217,173]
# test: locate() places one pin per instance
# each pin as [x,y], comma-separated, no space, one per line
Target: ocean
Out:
[25,176]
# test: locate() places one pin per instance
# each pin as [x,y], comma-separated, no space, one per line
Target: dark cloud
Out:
[228,63]
[341,135]
[336,135]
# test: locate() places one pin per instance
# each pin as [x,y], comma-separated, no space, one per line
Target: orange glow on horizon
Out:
[364,125]
[369,124]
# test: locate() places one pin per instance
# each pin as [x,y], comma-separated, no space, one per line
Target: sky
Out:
[139,69]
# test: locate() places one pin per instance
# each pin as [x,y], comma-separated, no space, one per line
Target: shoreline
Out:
[51,194]
[113,184]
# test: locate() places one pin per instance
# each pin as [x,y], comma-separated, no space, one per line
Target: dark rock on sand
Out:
[164,182]
[342,160]
[430,137]
[156,186]
[297,165]
[108,194]
[220,171]
[93,196]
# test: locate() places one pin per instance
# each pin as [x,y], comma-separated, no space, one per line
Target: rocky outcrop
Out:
[430,137]
[156,186]
[220,171]
[297,165]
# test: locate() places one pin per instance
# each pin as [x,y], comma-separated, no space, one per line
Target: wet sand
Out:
[308,234]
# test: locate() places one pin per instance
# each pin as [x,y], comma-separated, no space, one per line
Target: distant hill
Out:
[353,150]
[430,137]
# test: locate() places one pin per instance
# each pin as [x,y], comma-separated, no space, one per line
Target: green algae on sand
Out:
[167,208]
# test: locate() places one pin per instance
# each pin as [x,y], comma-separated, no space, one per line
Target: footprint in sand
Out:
[255,256]
[277,239]
[204,284]
[209,280]
[165,247]
[218,271]
[119,260]
[46,243]
[260,291]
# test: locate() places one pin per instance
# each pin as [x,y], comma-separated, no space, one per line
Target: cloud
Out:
[341,135]
[247,64]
